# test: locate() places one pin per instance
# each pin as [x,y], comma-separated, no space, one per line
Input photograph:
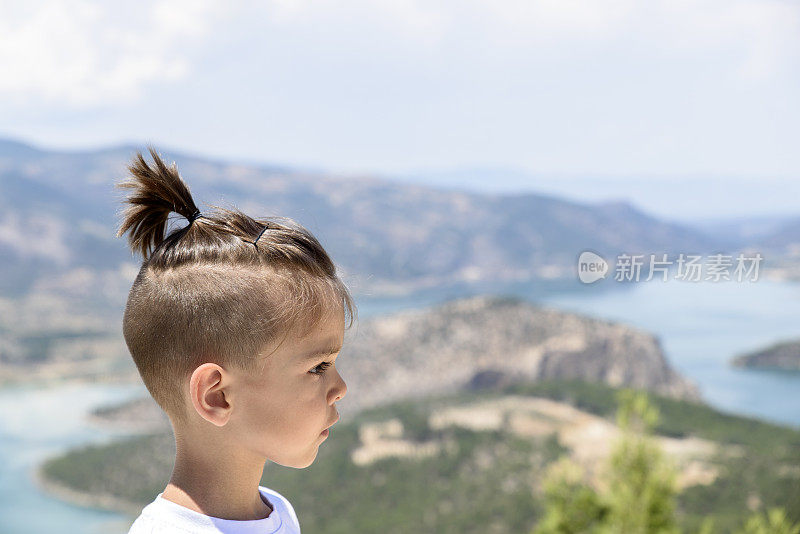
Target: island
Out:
[783,356]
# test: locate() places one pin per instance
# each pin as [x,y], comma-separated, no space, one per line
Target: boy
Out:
[234,325]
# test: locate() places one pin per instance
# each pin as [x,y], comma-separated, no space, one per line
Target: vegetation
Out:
[497,481]
[640,496]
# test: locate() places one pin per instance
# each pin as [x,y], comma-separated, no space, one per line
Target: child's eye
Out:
[321,367]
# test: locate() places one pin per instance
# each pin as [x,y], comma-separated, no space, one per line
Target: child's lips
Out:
[326,432]
[334,422]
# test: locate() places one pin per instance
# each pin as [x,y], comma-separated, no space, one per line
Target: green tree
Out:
[640,494]
[572,506]
[641,490]
[641,479]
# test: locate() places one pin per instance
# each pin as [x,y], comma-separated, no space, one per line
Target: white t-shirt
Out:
[163,516]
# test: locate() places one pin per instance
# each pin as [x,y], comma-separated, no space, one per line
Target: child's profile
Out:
[235,325]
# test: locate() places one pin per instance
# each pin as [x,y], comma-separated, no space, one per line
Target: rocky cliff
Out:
[481,342]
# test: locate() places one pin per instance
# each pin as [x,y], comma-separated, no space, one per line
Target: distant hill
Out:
[65,277]
[784,356]
[784,237]
[477,343]
[58,215]
[486,341]
[742,232]
[779,244]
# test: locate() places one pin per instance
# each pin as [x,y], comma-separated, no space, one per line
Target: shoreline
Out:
[83,499]
[50,381]
[56,490]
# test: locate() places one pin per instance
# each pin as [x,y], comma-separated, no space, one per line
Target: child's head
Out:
[224,314]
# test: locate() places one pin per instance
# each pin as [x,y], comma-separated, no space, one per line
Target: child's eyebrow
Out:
[322,352]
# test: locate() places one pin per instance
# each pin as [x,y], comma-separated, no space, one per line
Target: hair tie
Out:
[194,216]
[259,236]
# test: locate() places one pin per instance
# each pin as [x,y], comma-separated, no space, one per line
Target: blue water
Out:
[39,422]
[701,326]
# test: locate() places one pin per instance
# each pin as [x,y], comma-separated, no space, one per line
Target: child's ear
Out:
[207,394]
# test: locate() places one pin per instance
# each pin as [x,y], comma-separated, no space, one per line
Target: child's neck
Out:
[176,494]
[217,482]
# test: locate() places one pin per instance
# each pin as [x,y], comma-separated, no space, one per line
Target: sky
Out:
[666,91]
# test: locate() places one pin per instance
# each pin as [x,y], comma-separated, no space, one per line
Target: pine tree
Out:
[641,491]
[572,506]
[641,479]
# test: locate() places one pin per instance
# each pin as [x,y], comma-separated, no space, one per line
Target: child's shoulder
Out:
[285,508]
[164,516]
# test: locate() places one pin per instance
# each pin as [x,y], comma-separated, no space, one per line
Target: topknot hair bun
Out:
[156,191]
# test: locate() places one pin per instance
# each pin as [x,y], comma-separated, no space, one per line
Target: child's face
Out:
[281,413]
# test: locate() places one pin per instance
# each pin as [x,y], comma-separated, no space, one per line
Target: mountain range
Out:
[60,212]
[65,277]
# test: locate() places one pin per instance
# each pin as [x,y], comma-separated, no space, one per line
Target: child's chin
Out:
[301,462]
[307,464]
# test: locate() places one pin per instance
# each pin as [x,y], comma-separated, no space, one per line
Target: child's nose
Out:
[341,388]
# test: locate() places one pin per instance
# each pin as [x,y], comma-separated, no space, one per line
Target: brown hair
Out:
[218,289]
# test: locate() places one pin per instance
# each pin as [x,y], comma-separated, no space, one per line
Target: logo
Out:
[591,267]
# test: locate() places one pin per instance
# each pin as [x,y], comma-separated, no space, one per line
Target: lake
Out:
[701,326]
[39,422]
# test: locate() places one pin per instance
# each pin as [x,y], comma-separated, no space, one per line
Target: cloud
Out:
[762,35]
[88,53]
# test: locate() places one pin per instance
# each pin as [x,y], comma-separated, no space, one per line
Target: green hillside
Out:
[478,480]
